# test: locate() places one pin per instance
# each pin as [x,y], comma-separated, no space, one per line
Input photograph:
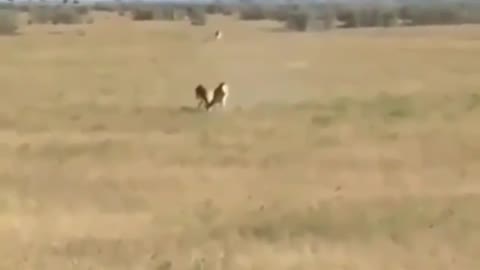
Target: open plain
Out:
[347,149]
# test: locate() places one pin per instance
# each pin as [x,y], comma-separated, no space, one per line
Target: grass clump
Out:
[344,220]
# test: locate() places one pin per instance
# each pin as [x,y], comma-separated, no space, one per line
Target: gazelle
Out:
[220,96]
[203,95]
[218,34]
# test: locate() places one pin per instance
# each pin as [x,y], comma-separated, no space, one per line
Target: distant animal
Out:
[218,34]
[203,95]
[220,96]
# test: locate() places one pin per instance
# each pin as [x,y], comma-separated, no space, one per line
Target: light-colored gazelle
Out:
[220,96]
[218,34]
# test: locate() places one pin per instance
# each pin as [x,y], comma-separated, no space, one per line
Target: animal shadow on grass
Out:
[14,34]
[77,32]
[276,29]
[190,109]
[56,32]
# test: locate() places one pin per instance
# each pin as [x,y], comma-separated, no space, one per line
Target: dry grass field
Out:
[339,150]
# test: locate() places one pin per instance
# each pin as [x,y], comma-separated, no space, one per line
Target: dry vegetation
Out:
[349,149]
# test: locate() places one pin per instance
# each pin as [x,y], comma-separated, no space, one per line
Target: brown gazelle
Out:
[202,94]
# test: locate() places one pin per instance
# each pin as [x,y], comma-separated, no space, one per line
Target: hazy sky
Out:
[207,1]
[92,1]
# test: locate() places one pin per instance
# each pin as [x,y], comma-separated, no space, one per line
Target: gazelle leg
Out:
[209,106]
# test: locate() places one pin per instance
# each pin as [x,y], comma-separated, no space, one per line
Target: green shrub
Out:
[280,13]
[8,22]
[436,14]
[213,9]
[66,15]
[40,14]
[164,13]
[82,10]
[328,15]
[142,14]
[197,16]
[252,12]
[389,18]
[298,21]
[157,12]
[104,7]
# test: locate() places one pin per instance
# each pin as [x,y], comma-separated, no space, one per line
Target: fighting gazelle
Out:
[220,96]
[209,98]
[203,95]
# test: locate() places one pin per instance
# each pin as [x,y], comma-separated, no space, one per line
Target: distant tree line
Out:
[331,15]
[297,17]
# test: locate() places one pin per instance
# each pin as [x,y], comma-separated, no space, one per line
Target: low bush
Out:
[8,22]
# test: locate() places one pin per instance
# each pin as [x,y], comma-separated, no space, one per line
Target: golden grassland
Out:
[339,150]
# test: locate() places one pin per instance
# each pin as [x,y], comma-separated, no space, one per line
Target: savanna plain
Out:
[346,149]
